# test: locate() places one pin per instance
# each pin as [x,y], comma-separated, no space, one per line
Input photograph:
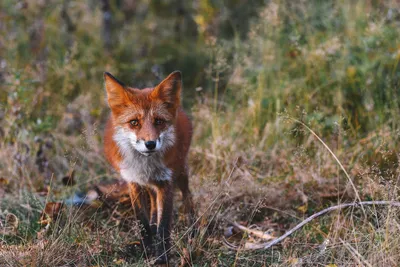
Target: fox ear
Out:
[116,94]
[169,90]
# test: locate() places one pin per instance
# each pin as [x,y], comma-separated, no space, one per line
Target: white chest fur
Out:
[141,169]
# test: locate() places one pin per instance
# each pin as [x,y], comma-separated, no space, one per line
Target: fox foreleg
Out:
[164,200]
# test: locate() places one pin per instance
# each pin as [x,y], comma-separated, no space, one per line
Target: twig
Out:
[257,233]
[309,219]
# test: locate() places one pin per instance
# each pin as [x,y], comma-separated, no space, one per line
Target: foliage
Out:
[249,68]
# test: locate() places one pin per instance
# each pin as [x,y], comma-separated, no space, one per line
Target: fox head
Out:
[144,119]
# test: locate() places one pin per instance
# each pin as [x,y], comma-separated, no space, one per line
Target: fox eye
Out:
[159,121]
[134,122]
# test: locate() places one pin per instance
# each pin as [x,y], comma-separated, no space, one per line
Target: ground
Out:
[295,107]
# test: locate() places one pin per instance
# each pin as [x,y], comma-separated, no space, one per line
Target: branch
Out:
[309,219]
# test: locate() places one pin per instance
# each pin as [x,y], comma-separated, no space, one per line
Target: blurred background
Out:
[253,72]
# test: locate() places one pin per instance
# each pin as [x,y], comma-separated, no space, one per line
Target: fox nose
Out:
[150,145]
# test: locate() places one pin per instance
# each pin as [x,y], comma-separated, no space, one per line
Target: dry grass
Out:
[330,66]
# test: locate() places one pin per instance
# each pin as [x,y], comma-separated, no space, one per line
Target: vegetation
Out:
[262,79]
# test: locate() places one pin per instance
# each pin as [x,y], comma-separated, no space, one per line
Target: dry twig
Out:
[257,233]
[309,219]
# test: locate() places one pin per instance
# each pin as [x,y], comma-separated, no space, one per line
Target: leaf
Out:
[4,181]
[119,261]
[53,208]
[51,211]
[10,226]
[303,208]
[293,261]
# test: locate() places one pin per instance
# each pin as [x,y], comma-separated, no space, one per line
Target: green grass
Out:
[248,71]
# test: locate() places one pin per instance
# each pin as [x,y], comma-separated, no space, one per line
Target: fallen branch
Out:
[309,219]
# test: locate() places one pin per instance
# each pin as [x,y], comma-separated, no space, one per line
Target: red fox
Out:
[147,139]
